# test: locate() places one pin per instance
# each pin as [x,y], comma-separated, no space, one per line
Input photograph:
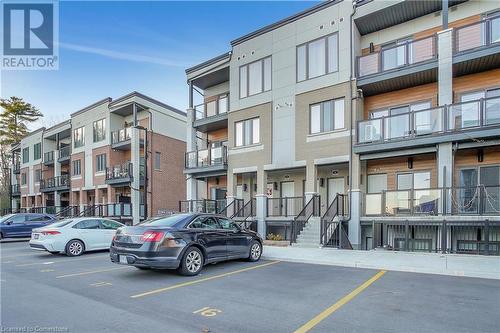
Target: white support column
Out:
[445,89]
[57,173]
[311,181]
[135,155]
[261,202]
[355,203]
[191,183]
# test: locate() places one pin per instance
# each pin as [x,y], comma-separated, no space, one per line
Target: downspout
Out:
[41,166]
[146,154]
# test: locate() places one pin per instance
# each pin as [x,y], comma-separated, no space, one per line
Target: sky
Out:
[109,49]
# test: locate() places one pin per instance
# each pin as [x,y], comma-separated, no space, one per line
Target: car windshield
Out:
[60,223]
[169,221]
[6,217]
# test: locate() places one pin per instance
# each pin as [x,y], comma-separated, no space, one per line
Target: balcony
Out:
[211,115]
[16,190]
[64,154]
[16,168]
[59,183]
[477,46]
[455,122]
[48,158]
[209,162]
[406,64]
[123,175]
[478,200]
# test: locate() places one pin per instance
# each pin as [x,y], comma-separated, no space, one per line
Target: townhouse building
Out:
[118,158]
[365,124]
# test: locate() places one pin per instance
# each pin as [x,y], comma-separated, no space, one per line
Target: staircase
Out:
[310,235]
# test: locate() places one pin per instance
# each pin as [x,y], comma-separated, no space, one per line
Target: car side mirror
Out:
[8,222]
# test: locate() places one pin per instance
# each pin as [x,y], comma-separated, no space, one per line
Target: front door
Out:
[287,191]
[237,242]
[335,186]
[211,235]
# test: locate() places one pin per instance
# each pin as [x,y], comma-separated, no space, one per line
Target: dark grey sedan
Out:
[185,242]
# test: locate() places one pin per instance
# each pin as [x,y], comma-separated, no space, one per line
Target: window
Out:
[255,77]
[377,183]
[227,224]
[79,137]
[107,224]
[317,57]
[23,178]
[87,224]
[247,132]
[37,151]
[26,155]
[17,219]
[416,180]
[326,116]
[77,168]
[157,160]
[222,104]
[99,130]
[204,222]
[38,175]
[39,218]
[100,162]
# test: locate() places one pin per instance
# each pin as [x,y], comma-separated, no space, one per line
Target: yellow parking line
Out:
[91,272]
[61,260]
[316,320]
[185,284]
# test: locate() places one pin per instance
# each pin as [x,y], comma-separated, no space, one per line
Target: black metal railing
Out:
[198,206]
[16,189]
[16,167]
[397,56]
[68,211]
[312,208]
[7,211]
[285,207]
[57,182]
[448,118]
[333,231]
[121,171]
[64,152]
[477,34]
[476,200]
[248,210]
[48,157]
[231,208]
[206,157]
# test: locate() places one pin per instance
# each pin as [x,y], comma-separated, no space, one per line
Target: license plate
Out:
[36,236]
[123,259]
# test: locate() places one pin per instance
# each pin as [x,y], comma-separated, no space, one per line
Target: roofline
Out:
[150,99]
[107,99]
[40,129]
[285,21]
[209,62]
[67,121]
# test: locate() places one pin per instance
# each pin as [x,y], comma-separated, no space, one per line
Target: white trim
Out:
[245,149]
[329,135]
[244,170]
[76,177]
[331,160]
[292,165]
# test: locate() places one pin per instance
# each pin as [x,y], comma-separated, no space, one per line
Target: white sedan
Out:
[75,236]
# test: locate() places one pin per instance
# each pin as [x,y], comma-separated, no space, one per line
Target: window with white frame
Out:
[26,155]
[76,168]
[326,116]
[79,137]
[317,57]
[255,77]
[37,151]
[100,162]
[99,130]
[247,132]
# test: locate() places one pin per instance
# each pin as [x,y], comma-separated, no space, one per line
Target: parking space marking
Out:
[91,272]
[316,320]
[208,311]
[60,260]
[185,284]
[46,270]
[101,284]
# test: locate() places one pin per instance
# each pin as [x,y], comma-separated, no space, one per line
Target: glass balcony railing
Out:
[460,116]
[121,135]
[207,157]
[64,152]
[48,157]
[401,55]
[120,171]
[478,34]
[213,108]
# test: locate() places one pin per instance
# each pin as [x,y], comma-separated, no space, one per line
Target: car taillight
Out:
[50,232]
[152,236]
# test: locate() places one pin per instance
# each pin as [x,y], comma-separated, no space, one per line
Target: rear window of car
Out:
[169,221]
[61,223]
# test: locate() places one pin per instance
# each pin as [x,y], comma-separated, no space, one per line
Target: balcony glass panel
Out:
[421,50]
[191,160]
[216,155]
[464,115]
[370,130]
[397,202]
[427,201]
[393,57]
[368,64]
[199,111]
[495,29]
[492,200]
[121,135]
[469,37]
[65,151]
[465,200]
[373,204]
[428,121]
[397,126]
[492,111]
[203,158]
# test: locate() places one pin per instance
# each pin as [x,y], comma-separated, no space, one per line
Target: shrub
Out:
[274,237]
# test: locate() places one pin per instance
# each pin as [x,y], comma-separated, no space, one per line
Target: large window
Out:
[326,116]
[318,57]
[24,179]
[38,175]
[157,160]
[37,151]
[255,77]
[79,137]
[247,132]
[377,183]
[416,180]
[26,155]
[99,130]
[77,168]
[100,162]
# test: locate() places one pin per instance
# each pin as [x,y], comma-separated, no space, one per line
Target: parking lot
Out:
[90,294]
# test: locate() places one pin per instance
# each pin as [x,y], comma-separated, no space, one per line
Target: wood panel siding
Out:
[467,158]
[218,135]
[475,82]
[397,165]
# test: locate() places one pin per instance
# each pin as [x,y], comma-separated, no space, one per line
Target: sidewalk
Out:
[430,263]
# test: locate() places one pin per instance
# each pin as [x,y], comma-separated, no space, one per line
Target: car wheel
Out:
[192,262]
[74,248]
[255,251]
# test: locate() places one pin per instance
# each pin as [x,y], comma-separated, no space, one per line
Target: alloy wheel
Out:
[255,251]
[193,261]
[75,248]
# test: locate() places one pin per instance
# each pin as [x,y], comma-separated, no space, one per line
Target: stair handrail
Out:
[299,222]
[246,214]
[328,227]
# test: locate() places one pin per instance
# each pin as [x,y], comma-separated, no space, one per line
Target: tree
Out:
[14,119]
